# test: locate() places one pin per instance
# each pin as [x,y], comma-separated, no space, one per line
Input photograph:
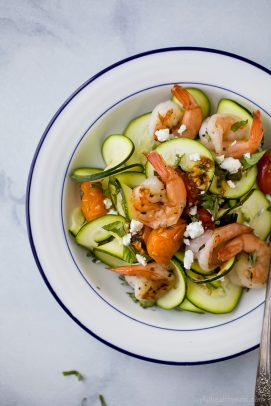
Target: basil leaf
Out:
[212,203]
[117,227]
[129,254]
[73,372]
[253,160]
[238,125]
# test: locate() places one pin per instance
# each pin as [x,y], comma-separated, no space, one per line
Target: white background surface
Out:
[47,49]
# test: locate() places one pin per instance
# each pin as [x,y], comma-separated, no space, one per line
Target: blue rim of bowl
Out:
[29,181]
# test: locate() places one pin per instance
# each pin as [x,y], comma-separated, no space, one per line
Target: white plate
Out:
[92,296]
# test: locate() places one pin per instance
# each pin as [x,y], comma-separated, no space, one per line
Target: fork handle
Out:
[263,378]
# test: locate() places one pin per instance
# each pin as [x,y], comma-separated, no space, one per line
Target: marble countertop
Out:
[47,49]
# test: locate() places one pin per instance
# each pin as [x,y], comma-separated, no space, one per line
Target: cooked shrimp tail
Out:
[184,97]
[149,271]
[159,204]
[176,190]
[248,272]
[252,144]
[192,118]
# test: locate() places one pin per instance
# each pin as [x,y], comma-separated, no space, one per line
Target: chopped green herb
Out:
[212,202]
[96,185]
[115,228]
[252,258]
[143,303]
[238,124]
[234,176]
[147,303]
[178,160]
[102,400]
[253,160]
[132,296]
[92,256]
[73,372]
[194,217]
[129,254]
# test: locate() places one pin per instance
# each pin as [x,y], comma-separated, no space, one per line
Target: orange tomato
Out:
[92,204]
[162,243]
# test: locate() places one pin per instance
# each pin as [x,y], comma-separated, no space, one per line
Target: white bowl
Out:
[94,297]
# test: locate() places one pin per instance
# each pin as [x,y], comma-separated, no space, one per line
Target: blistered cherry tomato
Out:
[206,218]
[264,173]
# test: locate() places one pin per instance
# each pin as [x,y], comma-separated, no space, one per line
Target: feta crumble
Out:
[268,197]
[112,211]
[182,129]
[135,226]
[234,142]
[194,157]
[141,259]
[194,229]
[107,203]
[186,241]
[220,158]
[126,239]
[188,259]
[231,165]
[193,211]
[247,155]
[231,184]
[162,135]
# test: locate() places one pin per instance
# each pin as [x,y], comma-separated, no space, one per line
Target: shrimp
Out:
[216,134]
[251,272]
[92,204]
[150,282]
[162,243]
[206,246]
[164,115]
[192,117]
[236,150]
[155,204]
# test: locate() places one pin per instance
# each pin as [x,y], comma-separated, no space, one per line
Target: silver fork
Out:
[263,377]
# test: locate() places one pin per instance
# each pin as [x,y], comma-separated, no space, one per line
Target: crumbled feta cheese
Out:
[194,157]
[135,226]
[141,259]
[186,241]
[234,142]
[231,165]
[107,203]
[194,229]
[126,239]
[188,259]
[247,155]
[268,197]
[220,158]
[112,211]
[193,211]
[162,135]
[202,192]
[231,184]
[182,129]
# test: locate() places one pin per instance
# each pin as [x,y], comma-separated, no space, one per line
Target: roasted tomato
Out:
[92,204]
[206,218]
[264,173]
